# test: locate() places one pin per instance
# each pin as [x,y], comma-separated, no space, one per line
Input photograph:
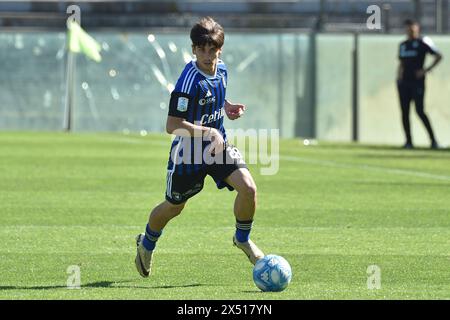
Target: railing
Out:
[302,83]
[320,15]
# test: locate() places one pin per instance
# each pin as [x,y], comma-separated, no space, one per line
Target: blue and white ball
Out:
[272,273]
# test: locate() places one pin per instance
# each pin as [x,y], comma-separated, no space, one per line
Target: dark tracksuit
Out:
[412,56]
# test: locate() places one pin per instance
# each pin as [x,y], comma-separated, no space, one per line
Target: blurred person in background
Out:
[411,78]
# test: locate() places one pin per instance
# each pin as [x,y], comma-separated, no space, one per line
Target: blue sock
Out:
[150,238]
[243,229]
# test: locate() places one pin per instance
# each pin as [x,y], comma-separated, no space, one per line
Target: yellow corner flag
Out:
[80,41]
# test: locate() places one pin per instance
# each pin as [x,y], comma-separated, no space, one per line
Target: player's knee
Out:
[421,113]
[175,209]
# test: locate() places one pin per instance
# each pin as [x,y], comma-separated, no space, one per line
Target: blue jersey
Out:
[198,98]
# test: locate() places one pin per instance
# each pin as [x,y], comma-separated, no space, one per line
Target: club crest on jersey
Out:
[182,104]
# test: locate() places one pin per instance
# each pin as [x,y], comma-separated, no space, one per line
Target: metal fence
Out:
[305,84]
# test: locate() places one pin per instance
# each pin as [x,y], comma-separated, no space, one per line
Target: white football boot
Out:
[250,249]
[143,259]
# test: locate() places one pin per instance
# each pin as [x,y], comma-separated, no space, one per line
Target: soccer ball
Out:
[272,273]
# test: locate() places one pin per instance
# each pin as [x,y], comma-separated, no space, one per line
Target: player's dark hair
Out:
[207,31]
[410,22]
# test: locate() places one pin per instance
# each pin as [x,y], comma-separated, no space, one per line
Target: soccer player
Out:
[196,114]
[411,78]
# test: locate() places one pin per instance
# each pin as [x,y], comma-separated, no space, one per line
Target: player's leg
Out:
[179,189]
[405,96]
[420,110]
[146,242]
[244,210]
[163,213]
[233,174]
[159,217]
[245,203]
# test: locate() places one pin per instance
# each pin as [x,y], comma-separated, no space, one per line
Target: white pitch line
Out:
[135,140]
[367,167]
[142,141]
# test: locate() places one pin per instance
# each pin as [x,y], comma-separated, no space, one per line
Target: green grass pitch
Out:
[332,211]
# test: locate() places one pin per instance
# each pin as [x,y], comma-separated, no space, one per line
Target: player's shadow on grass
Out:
[113,284]
[102,284]
[256,291]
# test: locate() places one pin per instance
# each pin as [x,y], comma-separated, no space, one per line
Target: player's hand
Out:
[234,110]
[217,142]
[420,74]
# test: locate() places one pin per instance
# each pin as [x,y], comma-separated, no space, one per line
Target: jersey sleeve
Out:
[402,51]
[223,68]
[430,47]
[182,98]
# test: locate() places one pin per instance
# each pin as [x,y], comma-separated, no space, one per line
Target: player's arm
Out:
[179,107]
[400,68]
[437,59]
[421,73]
[234,110]
[431,49]
[181,127]
[400,71]
[181,103]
